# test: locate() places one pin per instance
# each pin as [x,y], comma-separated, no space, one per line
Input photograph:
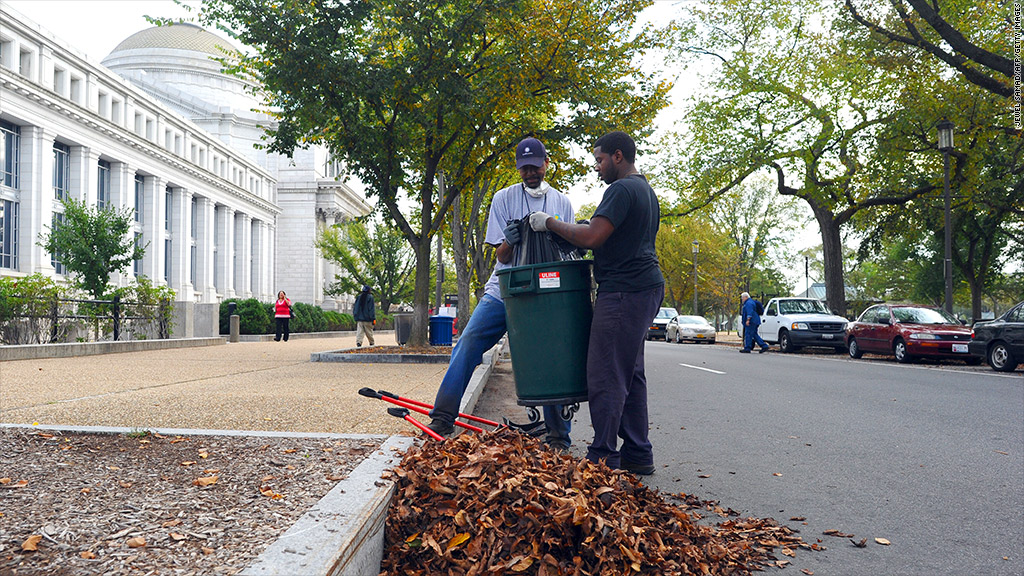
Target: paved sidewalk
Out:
[240,386]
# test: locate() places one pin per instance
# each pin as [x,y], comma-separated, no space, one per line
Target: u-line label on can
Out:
[549,280]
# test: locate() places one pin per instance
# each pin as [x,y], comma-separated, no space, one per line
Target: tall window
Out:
[167,260]
[140,195]
[103,185]
[168,205]
[61,171]
[10,136]
[56,221]
[137,265]
[9,234]
[193,252]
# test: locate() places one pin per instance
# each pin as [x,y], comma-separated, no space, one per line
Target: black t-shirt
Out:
[628,262]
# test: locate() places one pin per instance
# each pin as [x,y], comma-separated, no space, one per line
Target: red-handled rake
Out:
[531,429]
[403,413]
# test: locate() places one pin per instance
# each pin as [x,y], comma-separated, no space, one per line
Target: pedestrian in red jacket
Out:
[282,313]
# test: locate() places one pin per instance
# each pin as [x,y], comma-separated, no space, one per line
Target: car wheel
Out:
[1000,358]
[855,351]
[899,349]
[785,343]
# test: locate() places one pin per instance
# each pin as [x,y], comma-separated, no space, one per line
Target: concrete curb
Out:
[34,351]
[370,358]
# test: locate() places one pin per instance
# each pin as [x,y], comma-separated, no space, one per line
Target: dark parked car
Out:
[657,329]
[908,332]
[1001,341]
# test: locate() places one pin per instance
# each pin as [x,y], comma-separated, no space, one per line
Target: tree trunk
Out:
[421,294]
[832,255]
[463,265]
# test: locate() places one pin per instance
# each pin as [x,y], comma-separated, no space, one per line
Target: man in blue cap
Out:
[487,324]
[365,316]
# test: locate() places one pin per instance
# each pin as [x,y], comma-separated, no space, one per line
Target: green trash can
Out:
[548,310]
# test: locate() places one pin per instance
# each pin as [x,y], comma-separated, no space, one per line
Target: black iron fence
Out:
[47,320]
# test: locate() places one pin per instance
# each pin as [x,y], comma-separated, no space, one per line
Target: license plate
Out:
[827,336]
[699,336]
[960,348]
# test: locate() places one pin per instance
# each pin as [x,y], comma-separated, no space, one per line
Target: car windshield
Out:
[667,313]
[808,306]
[697,320]
[913,315]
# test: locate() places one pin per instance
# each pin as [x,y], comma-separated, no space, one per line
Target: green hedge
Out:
[257,317]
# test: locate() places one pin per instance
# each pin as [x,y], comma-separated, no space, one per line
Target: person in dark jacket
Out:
[365,316]
[750,320]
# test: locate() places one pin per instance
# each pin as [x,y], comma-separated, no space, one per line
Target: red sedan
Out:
[908,332]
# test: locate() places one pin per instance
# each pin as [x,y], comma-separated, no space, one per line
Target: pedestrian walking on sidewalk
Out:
[487,325]
[750,319]
[365,316]
[282,315]
[630,289]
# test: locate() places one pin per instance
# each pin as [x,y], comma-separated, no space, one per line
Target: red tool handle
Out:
[398,402]
[386,394]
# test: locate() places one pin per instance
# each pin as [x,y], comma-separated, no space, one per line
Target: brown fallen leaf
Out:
[171,523]
[5,481]
[882,541]
[86,490]
[704,476]
[179,439]
[207,551]
[177,537]
[18,484]
[457,540]
[862,544]
[136,542]
[836,533]
[205,481]
[776,474]
[30,543]
[125,484]
[87,554]
[204,454]
[188,462]
[808,572]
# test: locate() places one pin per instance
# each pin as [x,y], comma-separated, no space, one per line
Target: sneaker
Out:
[560,446]
[638,469]
[359,345]
[763,350]
[441,427]
[744,351]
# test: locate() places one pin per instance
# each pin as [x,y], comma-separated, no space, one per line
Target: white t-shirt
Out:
[513,203]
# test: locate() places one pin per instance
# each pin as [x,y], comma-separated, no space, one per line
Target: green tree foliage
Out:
[93,244]
[379,258]
[405,91]
[970,36]
[789,94]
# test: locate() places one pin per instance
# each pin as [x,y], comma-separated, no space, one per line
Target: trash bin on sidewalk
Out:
[441,330]
[403,327]
[548,311]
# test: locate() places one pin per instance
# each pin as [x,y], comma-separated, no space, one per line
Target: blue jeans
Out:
[750,336]
[485,328]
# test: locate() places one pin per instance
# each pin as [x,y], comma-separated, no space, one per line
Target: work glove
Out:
[539,221]
[512,234]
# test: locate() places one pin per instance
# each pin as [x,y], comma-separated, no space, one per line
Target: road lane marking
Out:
[704,369]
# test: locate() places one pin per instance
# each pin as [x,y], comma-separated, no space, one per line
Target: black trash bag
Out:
[540,247]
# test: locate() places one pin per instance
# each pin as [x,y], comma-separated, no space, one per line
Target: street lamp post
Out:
[696,249]
[946,145]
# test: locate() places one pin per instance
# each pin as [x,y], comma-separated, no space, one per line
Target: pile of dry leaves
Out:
[500,503]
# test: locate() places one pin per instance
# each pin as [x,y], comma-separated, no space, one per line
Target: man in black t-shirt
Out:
[630,288]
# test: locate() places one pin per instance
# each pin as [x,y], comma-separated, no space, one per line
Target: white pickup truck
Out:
[793,323]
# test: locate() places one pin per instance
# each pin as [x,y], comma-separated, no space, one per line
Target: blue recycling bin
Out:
[441,330]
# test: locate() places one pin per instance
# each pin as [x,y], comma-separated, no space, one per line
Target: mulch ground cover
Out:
[150,504]
[502,503]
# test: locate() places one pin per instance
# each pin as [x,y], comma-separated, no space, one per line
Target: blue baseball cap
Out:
[530,152]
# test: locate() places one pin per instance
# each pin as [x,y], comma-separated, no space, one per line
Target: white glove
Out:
[539,221]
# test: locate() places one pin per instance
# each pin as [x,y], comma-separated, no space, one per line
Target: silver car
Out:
[691,329]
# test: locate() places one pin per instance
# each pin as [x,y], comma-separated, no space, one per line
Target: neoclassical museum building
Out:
[158,128]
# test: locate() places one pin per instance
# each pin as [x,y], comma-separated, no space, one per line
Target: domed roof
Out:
[179,36]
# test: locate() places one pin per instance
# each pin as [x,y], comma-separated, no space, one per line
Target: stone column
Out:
[154,189]
[205,242]
[181,243]
[243,250]
[37,199]
[226,252]
[84,163]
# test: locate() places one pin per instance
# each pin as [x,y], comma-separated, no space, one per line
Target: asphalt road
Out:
[930,458]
